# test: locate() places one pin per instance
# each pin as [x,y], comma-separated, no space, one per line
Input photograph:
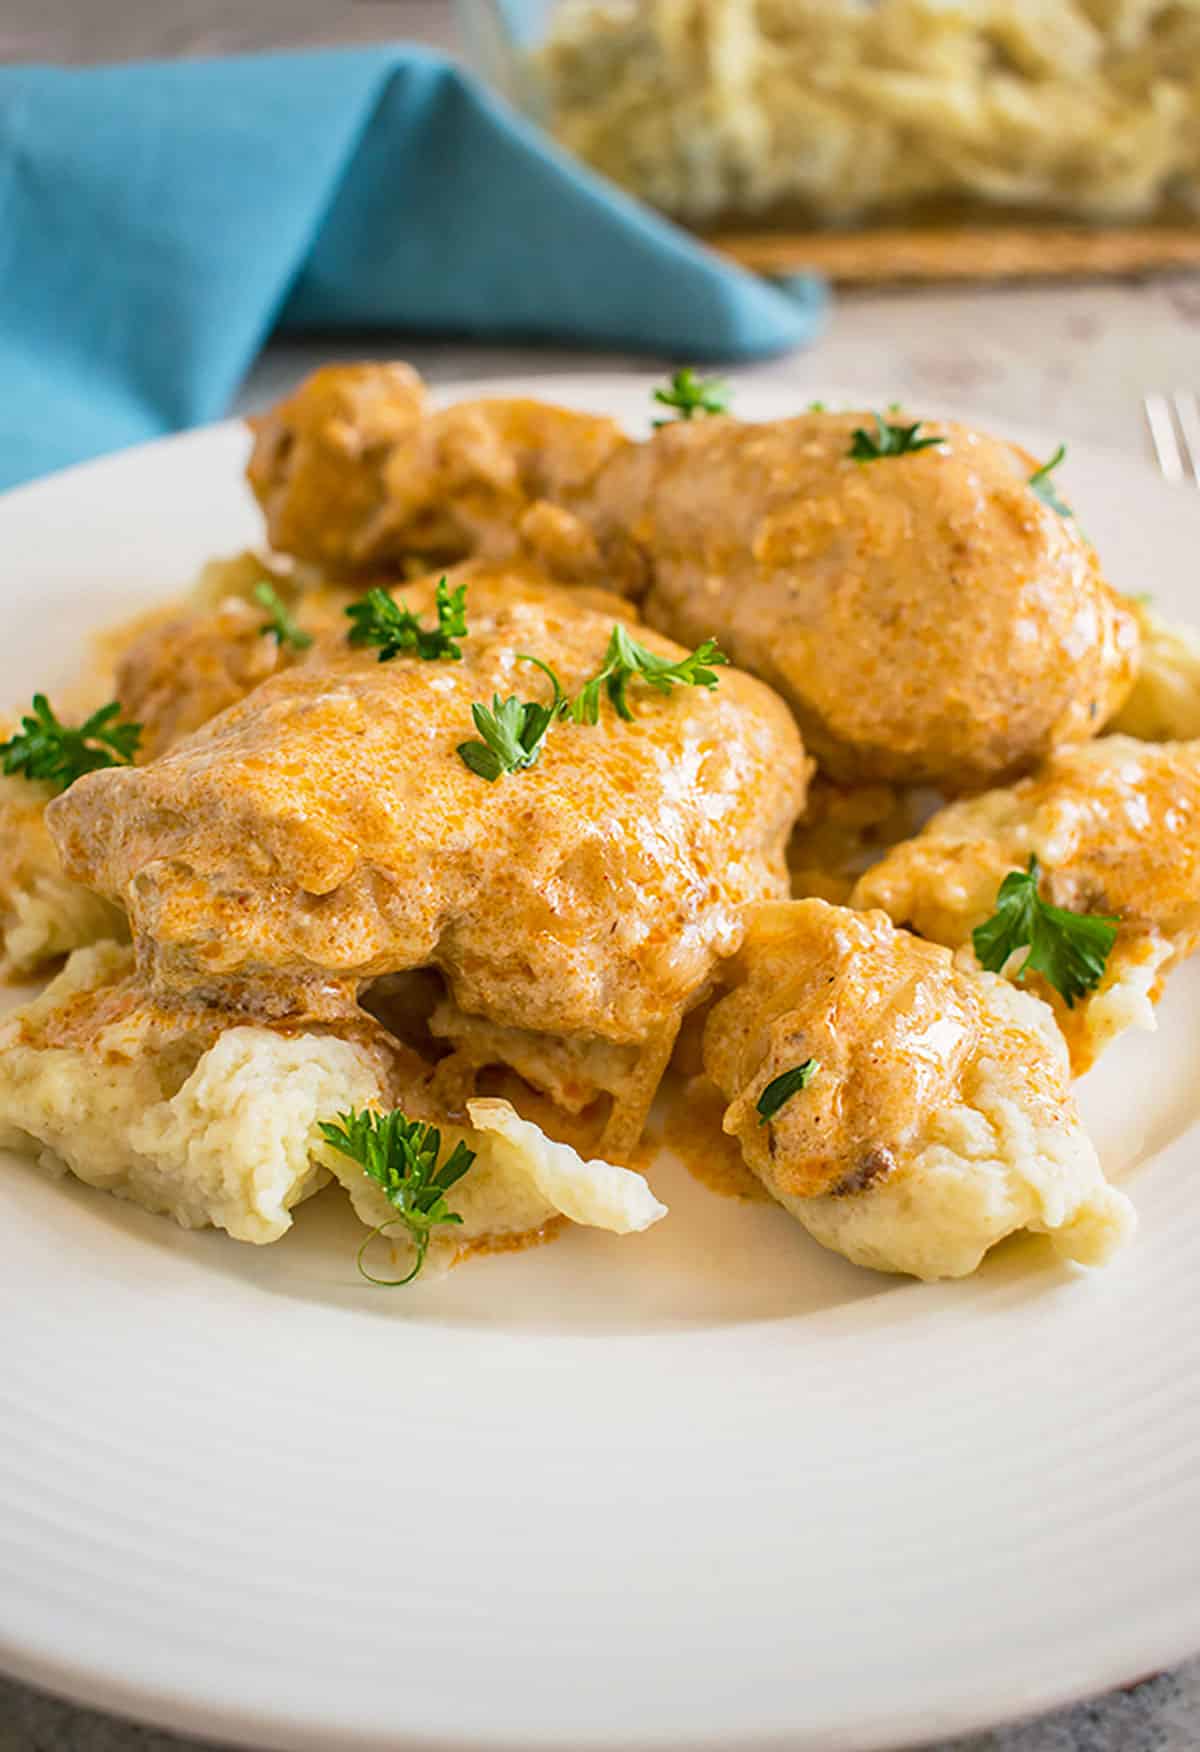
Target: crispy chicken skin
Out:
[1115,826]
[354,472]
[940,1118]
[324,832]
[926,616]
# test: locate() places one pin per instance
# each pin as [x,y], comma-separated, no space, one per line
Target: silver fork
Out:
[1174,422]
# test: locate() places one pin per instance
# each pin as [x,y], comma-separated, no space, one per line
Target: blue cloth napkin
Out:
[157,221]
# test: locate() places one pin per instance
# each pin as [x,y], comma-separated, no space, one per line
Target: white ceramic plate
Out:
[707,1487]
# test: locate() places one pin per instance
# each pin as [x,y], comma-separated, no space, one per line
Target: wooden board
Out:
[962,252]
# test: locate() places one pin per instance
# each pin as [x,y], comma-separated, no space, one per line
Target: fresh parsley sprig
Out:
[690,395]
[1071,949]
[626,660]
[513,731]
[279,621]
[401,1156]
[1044,487]
[783,1087]
[380,620]
[888,440]
[44,748]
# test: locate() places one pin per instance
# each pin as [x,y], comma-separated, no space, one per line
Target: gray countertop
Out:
[1159,1715]
[1075,360]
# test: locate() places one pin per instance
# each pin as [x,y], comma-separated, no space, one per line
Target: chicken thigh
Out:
[928,618]
[354,472]
[317,467]
[325,831]
[928,615]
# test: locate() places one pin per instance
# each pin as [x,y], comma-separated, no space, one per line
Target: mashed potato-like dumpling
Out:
[520,1182]
[1115,827]
[601,1195]
[828,113]
[214,1122]
[939,1118]
[202,1122]
[1165,703]
[43,914]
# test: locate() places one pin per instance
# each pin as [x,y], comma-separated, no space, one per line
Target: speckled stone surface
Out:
[1160,1715]
[1075,360]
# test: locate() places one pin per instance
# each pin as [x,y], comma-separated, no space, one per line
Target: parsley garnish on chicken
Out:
[1071,949]
[690,395]
[513,731]
[44,748]
[888,440]
[279,620]
[626,660]
[1043,486]
[401,1156]
[380,620]
[783,1087]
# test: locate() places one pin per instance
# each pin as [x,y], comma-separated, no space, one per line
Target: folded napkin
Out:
[157,221]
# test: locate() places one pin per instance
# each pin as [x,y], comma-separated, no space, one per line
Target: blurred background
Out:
[116,30]
[886,126]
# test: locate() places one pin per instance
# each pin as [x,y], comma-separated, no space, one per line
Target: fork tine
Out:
[1187,418]
[1163,436]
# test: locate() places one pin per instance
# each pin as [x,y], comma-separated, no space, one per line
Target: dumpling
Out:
[213,1121]
[1165,703]
[43,914]
[1115,827]
[939,1117]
